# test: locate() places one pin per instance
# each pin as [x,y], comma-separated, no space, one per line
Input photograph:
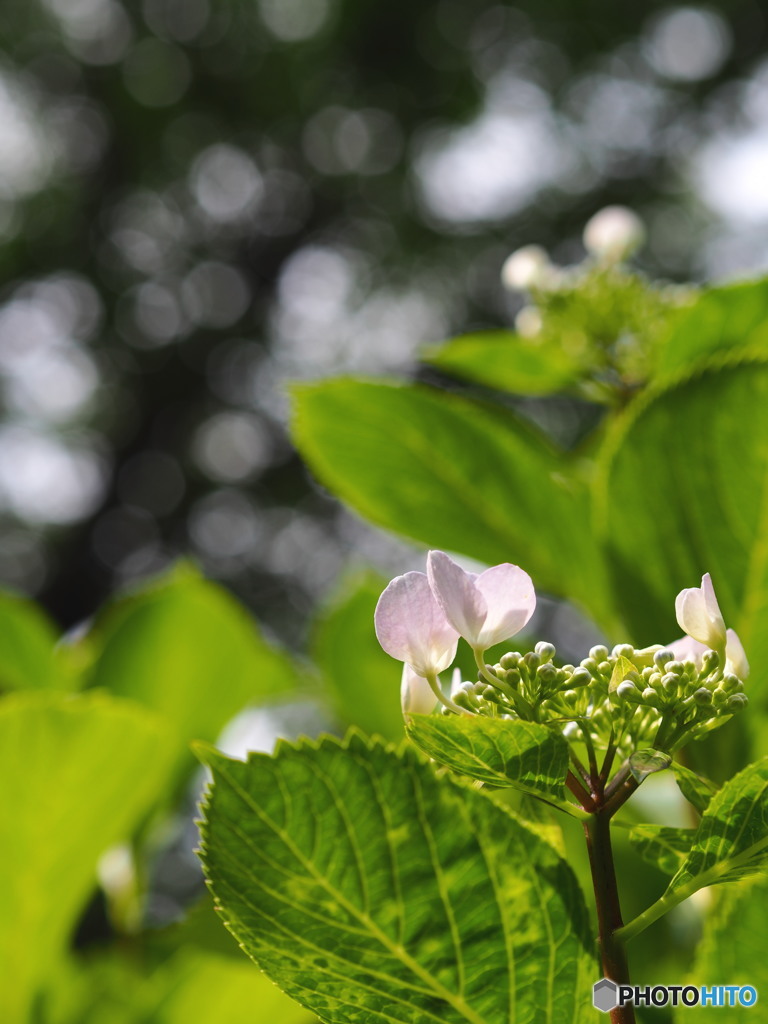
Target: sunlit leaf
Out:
[504,360]
[500,752]
[732,838]
[719,320]
[79,774]
[27,640]
[697,790]
[661,845]
[454,474]
[373,892]
[363,681]
[732,949]
[187,649]
[681,493]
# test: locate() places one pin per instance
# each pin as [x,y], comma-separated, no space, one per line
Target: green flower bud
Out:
[732,683]
[623,651]
[662,658]
[580,677]
[598,653]
[736,702]
[670,683]
[710,660]
[628,691]
[676,667]
[545,650]
[590,665]
[719,697]
[532,661]
[702,696]
[510,660]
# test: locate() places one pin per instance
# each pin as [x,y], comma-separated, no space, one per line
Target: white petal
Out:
[455,590]
[511,600]
[699,615]
[411,627]
[416,695]
[735,656]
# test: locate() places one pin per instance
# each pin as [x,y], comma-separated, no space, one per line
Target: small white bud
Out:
[526,268]
[613,234]
[528,322]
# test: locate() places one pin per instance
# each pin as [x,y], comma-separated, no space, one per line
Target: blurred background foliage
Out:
[202,202]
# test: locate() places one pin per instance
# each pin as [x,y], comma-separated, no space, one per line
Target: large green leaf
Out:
[731,842]
[363,681]
[374,892]
[732,838]
[732,949]
[27,640]
[504,360]
[187,649]
[723,319]
[455,474]
[79,774]
[501,752]
[682,492]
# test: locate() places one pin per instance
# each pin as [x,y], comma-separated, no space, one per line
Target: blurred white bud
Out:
[613,234]
[528,322]
[526,268]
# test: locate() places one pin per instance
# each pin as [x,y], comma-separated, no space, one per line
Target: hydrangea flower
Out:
[484,608]
[411,626]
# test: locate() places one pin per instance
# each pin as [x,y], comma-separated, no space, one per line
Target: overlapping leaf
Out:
[697,790]
[662,845]
[455,474]
[504,360]
[682,492]
[373,892]
[500,752]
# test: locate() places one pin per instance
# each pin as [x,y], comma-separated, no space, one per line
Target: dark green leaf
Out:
[662,846]
[372,891]
[500,752]
[504,360]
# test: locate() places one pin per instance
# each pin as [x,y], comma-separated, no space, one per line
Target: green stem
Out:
[612,953]
[522,707]
[445,701]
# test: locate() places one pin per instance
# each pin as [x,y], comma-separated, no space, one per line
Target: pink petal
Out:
[461,601]
[416,695]
[686,647]
[411,627]
[511,600]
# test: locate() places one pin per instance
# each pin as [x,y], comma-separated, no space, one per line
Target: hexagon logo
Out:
[605,995]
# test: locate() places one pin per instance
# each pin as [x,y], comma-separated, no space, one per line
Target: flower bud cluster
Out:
[661,697]
[527,686]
